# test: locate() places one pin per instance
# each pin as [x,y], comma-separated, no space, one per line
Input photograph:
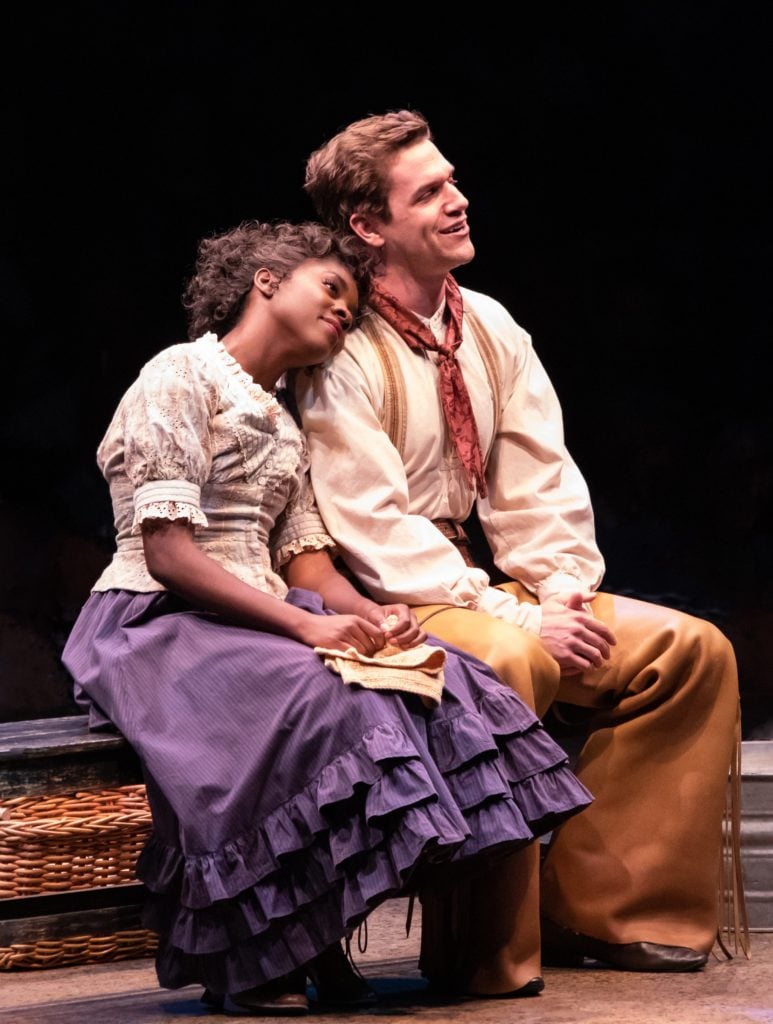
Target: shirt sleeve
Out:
[300,527]
[537,516]
[164,419]
[362,489]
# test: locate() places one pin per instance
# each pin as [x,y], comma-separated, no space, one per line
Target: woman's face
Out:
[314,307]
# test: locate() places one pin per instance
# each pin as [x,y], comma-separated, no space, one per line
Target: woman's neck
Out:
[254,354]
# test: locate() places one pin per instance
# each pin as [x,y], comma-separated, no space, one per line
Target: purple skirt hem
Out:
[296,804]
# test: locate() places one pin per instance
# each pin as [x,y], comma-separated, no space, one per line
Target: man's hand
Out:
[572,635]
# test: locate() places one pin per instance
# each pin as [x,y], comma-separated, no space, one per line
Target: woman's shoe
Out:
[281,997]
[337,981]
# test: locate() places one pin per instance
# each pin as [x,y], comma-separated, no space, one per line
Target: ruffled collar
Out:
[266,399]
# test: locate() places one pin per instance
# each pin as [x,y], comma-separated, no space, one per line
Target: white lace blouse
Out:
[195,438]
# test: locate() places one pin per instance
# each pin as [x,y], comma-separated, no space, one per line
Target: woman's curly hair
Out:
[226,263]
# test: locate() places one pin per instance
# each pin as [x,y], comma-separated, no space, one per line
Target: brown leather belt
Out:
[454,532]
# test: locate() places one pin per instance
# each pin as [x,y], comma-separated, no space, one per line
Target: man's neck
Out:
[421,296]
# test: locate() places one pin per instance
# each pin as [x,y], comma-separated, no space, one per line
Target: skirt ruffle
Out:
[409,796]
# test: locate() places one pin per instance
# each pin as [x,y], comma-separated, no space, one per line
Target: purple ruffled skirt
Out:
[287,805]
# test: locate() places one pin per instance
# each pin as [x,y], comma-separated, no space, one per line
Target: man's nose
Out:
[456,200]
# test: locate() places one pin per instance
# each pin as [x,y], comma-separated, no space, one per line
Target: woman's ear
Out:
[266,281]
[366,226]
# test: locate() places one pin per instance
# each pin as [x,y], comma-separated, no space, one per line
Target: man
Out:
[438,404]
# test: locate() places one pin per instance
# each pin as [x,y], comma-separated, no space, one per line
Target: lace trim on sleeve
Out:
[167,499]
[313,542]
[168,510]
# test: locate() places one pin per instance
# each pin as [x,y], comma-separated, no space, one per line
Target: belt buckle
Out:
[452,530]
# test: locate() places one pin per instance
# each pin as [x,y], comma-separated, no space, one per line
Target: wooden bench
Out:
[49,756]
[59,755]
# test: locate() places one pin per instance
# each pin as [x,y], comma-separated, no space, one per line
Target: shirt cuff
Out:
[302,530]
[168,499]
[506,606]
[560,581]
[313,542]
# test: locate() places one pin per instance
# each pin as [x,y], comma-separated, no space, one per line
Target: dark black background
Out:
[616,160]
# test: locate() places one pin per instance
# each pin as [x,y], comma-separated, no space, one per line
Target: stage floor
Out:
[726,992]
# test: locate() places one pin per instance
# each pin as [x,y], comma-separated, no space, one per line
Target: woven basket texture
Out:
[73,841]
[78,949]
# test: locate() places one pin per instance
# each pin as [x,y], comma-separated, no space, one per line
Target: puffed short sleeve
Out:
[164,421]
[300,527]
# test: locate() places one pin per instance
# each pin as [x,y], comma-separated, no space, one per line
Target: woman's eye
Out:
[332,285]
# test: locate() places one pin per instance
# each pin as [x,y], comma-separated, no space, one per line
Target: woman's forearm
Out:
[314,570]
[174,559]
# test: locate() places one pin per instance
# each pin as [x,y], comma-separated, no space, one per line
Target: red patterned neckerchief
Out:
[454,396]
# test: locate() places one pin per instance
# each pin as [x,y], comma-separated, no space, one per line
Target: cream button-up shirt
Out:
[379,507]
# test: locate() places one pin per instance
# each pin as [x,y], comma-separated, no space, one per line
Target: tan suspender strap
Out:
[394,418]
[488,355]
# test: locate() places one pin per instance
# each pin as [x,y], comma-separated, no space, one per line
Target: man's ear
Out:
[366,226]
[265,281]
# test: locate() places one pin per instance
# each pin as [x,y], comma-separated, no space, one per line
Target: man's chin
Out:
[465,254]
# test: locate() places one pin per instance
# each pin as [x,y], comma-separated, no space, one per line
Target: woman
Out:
[286,805]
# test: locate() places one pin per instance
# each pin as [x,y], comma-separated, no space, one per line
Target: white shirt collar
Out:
[436,322]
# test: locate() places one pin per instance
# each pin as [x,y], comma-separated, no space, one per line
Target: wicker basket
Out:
[75,841]
[71,842]
[78,949]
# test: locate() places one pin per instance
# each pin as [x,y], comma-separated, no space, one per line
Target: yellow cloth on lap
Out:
[418,670]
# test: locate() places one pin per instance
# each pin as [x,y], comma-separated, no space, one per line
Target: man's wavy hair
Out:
[350,173]
[226,263]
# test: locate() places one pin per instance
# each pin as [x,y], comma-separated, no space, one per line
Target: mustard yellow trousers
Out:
[642,862]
